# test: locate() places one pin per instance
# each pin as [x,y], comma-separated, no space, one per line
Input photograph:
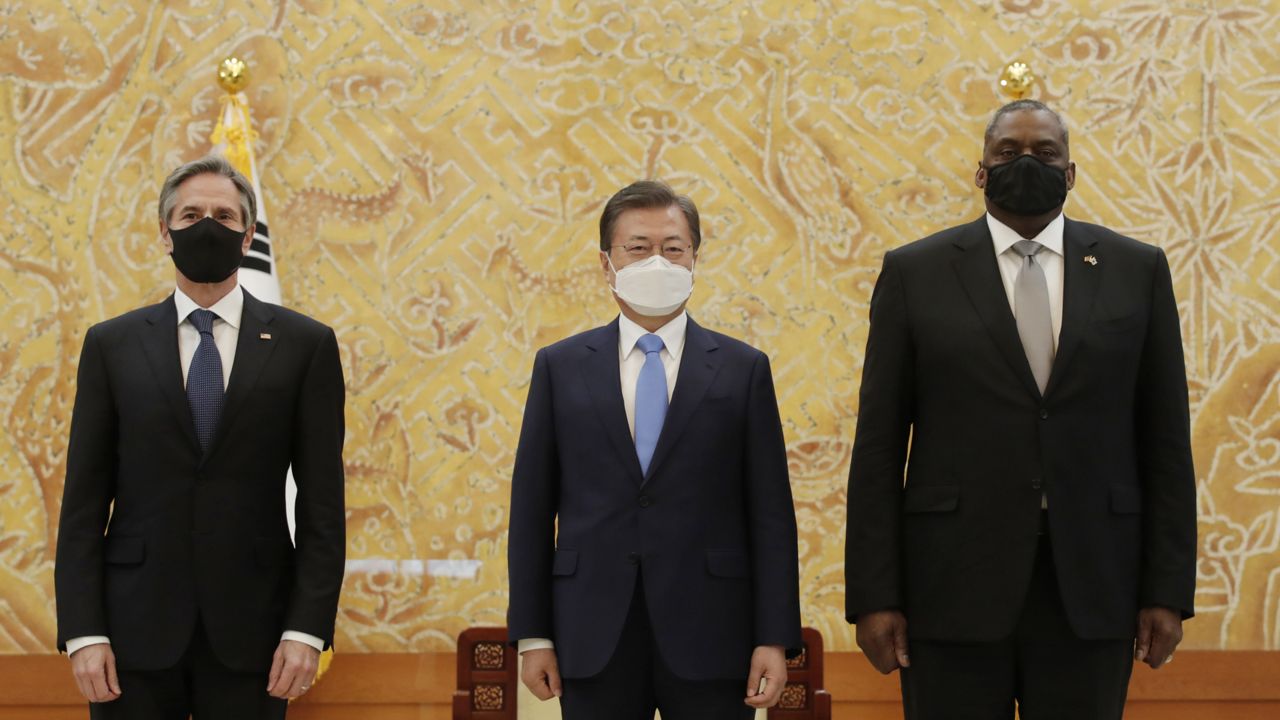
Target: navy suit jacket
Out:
[710,529]
[947,381]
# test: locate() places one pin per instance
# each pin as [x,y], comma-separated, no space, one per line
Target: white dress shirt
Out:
[226,334]
[630,361]
[226,330]
[1050,260]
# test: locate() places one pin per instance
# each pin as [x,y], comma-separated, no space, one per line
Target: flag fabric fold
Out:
[233,138]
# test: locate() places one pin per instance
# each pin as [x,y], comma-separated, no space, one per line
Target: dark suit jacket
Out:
[1109,442]
[154,533]
[711,528]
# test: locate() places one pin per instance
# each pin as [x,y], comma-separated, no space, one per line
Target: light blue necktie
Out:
[651,399]
[204,379]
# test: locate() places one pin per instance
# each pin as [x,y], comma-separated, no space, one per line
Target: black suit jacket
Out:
[711,528]
[1109,442]
[154,532]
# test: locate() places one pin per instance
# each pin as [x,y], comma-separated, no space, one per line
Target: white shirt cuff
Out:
[527,644]
[80,643]
[302,637]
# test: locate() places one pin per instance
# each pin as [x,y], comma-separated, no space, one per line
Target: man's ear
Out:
[1071,176]
[604,268]
[248,240]
[980,176]
[165,240]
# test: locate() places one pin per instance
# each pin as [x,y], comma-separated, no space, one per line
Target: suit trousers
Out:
[1043,668]
[199,686]
[636,682]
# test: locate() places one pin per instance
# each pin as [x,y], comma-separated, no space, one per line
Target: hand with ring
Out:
[293,669]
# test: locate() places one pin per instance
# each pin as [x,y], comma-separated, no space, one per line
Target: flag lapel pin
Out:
[1091,259]
[264,336]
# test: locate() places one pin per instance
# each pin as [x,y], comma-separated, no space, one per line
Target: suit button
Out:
[1035,483]
[1044,414]
[633,558]
[645,501]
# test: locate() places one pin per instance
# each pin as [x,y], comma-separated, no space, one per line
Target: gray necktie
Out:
[1031,308]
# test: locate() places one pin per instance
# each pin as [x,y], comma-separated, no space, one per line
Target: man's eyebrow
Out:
[215,206]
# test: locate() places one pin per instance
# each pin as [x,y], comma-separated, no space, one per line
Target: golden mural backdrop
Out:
[434,174]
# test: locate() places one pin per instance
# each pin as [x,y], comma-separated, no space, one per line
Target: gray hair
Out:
[211,165]
[647,194]
[1021,106]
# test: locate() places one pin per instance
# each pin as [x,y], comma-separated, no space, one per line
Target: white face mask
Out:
[654,286]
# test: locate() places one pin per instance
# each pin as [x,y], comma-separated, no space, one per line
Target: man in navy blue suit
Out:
[652,549]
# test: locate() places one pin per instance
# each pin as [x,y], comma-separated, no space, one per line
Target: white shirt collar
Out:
[672,335]
[228,309]
[1004,236]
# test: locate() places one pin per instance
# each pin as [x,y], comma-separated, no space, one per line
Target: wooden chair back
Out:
[488,670]
[804,698]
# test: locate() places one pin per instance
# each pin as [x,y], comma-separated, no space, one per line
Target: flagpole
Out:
[233,138]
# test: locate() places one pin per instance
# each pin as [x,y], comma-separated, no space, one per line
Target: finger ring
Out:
[1168,660]
[308,687]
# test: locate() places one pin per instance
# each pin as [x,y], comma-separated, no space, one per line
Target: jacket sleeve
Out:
[320,535]
[873,542]
[1164,455]
[774,553]
[534,500]
[86,500]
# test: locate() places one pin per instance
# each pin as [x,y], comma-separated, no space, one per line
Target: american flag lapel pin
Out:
[1091,259]
[264,336]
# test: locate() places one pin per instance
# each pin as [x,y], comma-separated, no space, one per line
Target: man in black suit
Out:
[178,590]
[1031,366]
[652,549]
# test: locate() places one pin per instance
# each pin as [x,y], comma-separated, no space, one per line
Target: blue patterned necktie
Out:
[651,399]
[204,379]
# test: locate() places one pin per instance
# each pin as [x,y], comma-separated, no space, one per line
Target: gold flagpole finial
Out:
[1017,80]
[233,74]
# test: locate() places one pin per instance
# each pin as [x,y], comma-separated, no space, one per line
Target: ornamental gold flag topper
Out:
[1017,80]
[233,74]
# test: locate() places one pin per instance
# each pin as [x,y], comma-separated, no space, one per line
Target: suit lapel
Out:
[253,349]
[160,345]
[1080,281]
[698,368]
[980,276]
[601,373]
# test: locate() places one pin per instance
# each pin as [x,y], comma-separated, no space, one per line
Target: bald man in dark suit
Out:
[1022,517]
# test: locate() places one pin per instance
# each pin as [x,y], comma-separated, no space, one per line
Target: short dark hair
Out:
[1023,106]
[646,194]
[211,165]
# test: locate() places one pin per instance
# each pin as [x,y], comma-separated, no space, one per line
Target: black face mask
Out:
[1026,186]
[208,251]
